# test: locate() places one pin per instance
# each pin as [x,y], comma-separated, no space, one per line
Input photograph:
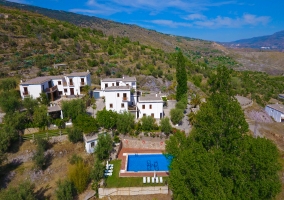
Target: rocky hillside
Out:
[268,42]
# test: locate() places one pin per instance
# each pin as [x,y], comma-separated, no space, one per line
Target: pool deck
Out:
[122,157]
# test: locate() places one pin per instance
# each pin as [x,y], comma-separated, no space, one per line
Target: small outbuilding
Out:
[276,111]
[90,142]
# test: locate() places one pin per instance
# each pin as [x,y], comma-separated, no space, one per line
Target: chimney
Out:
[156,95]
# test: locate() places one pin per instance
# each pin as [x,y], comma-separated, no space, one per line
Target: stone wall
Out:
[31,130]
[104,192]
[145,143]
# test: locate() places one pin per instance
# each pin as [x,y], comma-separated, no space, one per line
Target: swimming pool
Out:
[147,162]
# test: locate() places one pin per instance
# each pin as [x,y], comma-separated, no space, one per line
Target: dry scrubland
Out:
[21,167]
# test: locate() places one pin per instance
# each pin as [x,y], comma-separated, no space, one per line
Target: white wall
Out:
[33,90]
[111,98]
[157,108]
[275,114]
[88,147]
[121,83]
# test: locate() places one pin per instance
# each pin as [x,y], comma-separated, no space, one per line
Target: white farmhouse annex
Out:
[55,86]
[276,111]
[121,95]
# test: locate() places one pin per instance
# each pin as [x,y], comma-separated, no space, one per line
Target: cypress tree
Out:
[181,77]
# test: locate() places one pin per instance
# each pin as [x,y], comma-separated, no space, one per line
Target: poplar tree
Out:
[181,77]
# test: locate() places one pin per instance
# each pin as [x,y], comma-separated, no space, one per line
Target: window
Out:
[117,94]
[65,90]
[92,144]
[110,105]
[150,106]
[106,85]
[124,96]
[127,84]
[60,92]
[117,83]
[112,84]
[144,115]
[59,82]
[71,81]
[143,106]
[122,105]
[152,115]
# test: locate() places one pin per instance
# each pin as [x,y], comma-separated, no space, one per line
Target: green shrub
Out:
[79,175]
[148,123]
[75,158]
[176,115]
[24,191]
[166,125]
[65,190]
[75,135]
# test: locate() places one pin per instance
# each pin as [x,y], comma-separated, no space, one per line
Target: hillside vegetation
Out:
[31,44]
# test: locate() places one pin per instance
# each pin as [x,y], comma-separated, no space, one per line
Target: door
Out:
[71,91]
[82,81]
[96,95]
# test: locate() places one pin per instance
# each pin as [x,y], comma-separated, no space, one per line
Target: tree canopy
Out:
[125,122]
[73,108]
[106,118]
[219,160]
[103,147]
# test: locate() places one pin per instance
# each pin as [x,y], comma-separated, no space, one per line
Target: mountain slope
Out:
[274,42]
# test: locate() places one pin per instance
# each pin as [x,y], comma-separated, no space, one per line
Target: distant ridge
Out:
[268,42]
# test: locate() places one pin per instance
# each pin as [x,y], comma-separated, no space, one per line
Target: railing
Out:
[52,89]
[82,83]
[71,83]
[124,98]
[132,108]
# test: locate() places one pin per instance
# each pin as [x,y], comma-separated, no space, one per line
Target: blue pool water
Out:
[147,162]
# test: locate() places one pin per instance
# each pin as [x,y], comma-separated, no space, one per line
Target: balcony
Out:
[71,84]
[52,89]
[82,83]
[26,94]
[132,108]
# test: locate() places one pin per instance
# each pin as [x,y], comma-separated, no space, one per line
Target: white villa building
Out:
[276,111]
[121,95]
[150,105]
[55,86]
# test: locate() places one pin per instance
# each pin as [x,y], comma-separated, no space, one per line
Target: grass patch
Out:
[42,134]
[116,181]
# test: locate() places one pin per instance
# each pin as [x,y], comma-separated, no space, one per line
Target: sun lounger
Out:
[108,168]
[161,179]
[109,171]
[148,179]
[144,179]
[153,179]
[108,174]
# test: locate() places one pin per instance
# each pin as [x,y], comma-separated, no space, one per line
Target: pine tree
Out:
[181,76]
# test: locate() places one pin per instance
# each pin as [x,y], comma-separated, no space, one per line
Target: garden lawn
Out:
[115,181]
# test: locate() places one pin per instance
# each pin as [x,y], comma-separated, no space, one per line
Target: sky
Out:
[215,20]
